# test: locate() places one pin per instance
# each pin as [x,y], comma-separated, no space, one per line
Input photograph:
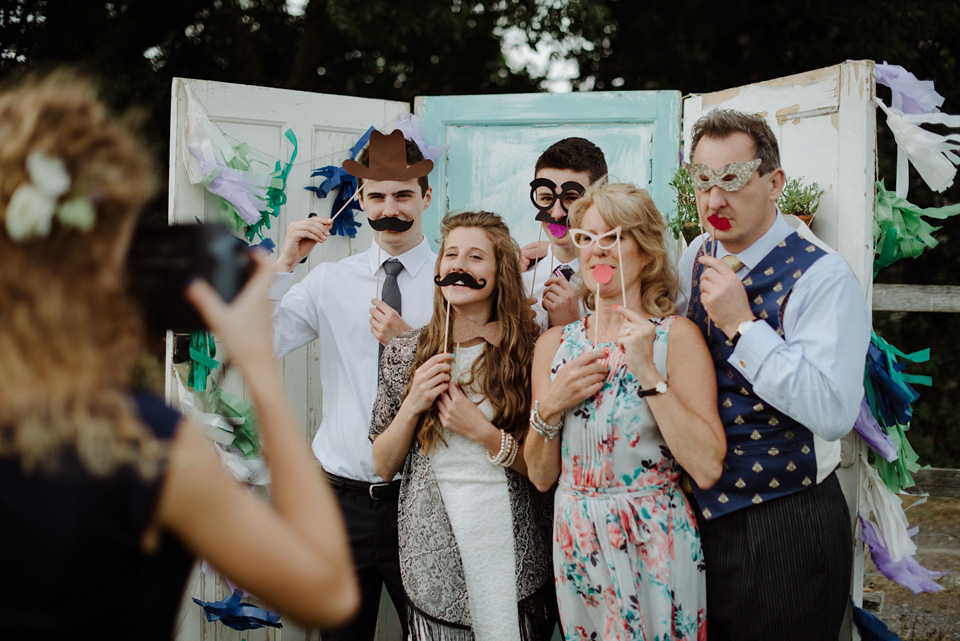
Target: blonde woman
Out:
[622,400]
[474,533]
[107,495]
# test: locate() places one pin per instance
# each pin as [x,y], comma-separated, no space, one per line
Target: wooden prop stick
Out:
[623,286]
[602,275]
[446,329]
[533,281]
[379,249]
[355,196]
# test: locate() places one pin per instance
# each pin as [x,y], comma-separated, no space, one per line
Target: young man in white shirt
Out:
[562,173]
[333,305]
[788,328]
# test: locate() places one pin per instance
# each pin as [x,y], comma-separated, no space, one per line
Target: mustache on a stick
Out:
[390,224]
[463,278]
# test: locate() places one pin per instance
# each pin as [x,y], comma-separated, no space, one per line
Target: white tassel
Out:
[933,155]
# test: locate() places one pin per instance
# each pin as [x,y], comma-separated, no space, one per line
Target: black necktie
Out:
[391,290]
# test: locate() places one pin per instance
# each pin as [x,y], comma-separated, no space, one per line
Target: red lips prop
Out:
[719,222]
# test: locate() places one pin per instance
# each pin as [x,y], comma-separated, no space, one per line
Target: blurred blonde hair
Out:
[69,334]
[502,373]
[632,208]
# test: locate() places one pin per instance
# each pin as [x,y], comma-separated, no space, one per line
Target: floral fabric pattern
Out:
[627,558]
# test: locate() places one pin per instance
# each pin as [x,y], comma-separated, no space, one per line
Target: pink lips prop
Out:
[719,222]
[602,273]
[557,230]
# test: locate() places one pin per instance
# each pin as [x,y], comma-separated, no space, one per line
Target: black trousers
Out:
[780,570]
[372,527]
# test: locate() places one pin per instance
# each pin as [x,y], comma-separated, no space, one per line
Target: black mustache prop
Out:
[390,224]
[460,277]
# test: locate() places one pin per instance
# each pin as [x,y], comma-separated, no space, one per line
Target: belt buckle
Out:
[373,486]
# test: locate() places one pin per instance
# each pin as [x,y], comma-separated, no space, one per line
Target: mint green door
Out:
[495,141]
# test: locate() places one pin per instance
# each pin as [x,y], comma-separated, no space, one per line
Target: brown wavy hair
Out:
[69,334]
[633,210]
[501,374]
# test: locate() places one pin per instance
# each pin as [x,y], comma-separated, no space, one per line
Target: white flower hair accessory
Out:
[32,207]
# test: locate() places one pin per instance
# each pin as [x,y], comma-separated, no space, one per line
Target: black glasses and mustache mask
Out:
[462,278]
[390,224]
[569,192]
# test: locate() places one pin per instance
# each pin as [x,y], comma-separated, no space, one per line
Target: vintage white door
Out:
[825,122]
[326,127]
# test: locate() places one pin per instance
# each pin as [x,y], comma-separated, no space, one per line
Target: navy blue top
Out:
[70,550]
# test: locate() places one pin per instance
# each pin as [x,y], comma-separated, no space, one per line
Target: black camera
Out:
[164,259]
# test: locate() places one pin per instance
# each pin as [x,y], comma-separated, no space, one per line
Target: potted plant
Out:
[686,223]
[800,200]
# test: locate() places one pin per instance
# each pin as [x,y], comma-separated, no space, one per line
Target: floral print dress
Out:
[626,553]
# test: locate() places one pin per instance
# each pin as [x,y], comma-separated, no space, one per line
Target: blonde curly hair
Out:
[633,210]
[69,334]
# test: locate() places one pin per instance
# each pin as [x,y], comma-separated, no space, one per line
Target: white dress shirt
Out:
[332,304]
[814,374]
[543,272]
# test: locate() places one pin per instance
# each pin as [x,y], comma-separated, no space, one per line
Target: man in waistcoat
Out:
[788,328]
[332,305]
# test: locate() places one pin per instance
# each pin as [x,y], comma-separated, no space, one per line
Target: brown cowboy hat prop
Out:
[388,160]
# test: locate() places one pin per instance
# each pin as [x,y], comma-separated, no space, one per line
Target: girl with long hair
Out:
[474,533]
[622,400]
[107,494]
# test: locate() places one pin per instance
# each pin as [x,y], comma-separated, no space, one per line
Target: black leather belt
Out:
[376,491]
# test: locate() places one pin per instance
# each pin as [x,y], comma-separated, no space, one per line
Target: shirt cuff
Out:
[279,286]
[753,348]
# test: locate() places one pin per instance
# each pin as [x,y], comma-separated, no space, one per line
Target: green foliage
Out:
[686,222]
[798,199]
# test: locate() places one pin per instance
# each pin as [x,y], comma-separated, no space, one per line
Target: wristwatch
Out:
[741,330]
[659,388]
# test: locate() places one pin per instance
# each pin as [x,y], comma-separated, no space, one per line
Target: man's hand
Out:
[723,296]
[385,322]
[561,301]
[531,253]
[302,236]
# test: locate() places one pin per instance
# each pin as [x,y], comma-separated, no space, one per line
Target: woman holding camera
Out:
[107,495]
[623,399]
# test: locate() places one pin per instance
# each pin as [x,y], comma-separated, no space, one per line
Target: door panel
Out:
[825,122]
[495,141]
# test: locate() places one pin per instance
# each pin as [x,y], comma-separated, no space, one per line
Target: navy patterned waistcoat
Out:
[768,453]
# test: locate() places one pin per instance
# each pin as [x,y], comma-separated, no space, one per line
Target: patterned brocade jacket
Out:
[430,563]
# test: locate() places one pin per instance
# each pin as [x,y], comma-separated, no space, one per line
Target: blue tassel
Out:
[337,177]
[871,628]
[239,616]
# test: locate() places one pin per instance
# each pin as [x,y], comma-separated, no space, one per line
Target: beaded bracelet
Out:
[514,448]
[540,426]
[508,450]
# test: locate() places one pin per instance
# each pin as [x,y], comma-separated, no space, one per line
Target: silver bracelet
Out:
[541,427]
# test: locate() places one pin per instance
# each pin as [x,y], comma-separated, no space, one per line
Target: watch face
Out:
[661,387]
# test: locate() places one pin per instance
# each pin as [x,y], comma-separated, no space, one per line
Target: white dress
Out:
[477,502]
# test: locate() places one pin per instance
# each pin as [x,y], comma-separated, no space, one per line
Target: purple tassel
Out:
[907,571]
[868,428]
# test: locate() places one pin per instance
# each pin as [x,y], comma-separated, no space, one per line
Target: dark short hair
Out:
[574,154]
[721,123]
[414,155]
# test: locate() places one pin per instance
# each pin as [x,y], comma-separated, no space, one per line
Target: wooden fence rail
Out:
[937,481]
